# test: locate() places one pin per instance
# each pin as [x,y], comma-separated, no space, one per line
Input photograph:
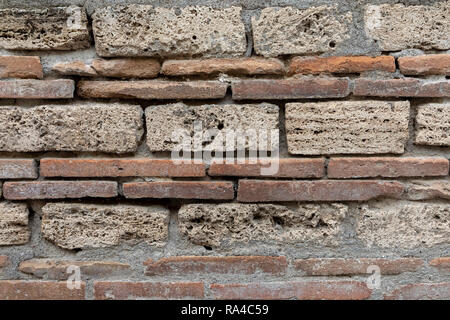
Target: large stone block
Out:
[13,223]
[214,224]
[286,31]
[114,128]
[73,225]
[347,127]
[398,27]
[144,30]
[433,124]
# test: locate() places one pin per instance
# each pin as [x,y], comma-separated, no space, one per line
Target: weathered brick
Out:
[182,119]
[59,189]
[401,88]
[152,89]
[279,89]
[442,263]
[242,66]
[347,127]
[402,224]
[144,30]
[426,190]
[114,128]
[20,67]
[425,65]
[13,223]
[396,26]
[287,168]
[289,30]
[433,124]
[421,291]
[344,267]
[52,28]
[18,169]
[148,290]
[219,265]
[37,89]
[127,68]
[323,190]
[57,269]
[219,190]
[74,68]
[307,290]
[216,224]
[387,167]
[40,290]
[74,167]
[350,64]
[76,225]
[4,261]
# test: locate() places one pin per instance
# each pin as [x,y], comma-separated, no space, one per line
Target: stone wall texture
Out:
[225,149]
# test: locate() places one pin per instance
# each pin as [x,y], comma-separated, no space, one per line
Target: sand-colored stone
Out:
[13,223]
[433,124]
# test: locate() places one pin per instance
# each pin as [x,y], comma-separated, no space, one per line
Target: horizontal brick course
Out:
[387,167]
[275,89]
[156,90]
[20,67]
[220,190]
[308,290]
[421,291]
[349,266]
[442,263]
[141,68]
[37,89]
[425,65]
[287,168]
[401,88]
[323,190]
[18,169]
[148,290]
[52,167]
[219,265]
[350,64]
[40,290]
[59,189]
[429,189]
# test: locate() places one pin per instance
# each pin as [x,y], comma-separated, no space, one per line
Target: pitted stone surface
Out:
[433,124]
[182,121]
[403,224]
[144,30]
[214,224]
[57,28]
[73,225]
[347,127]
[13,223]
[114,128]
[397,27]
[285,31]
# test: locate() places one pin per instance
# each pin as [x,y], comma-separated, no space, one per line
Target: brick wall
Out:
[94,205]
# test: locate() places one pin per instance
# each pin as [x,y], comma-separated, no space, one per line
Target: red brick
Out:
[142,68]
[343,267]
[307,290]
[59,189]
[148,290]
[39,290]
[401,88]
[290,88]
[220,265]
[220,190]
[287,168]
[4,261]
[387,167]
[18,169]
[239,66]
[350,64]
[323,190]
[37,89]
[57,269]
[20,67]
[421,291]
[426,64]
[74,68]
[118,168]
[442,263]
[152,89]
